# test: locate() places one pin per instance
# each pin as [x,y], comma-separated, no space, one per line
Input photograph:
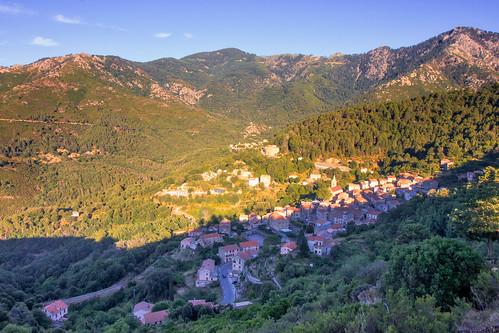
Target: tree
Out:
[441,267]
[479,217]
[302,244]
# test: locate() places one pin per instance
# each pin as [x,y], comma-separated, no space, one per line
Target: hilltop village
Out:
[320,222]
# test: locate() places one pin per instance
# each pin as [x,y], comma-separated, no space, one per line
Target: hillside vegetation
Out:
[460,125]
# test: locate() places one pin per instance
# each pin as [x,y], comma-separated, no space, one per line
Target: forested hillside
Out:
[459,125]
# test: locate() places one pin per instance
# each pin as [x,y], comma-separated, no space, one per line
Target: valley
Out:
[226,191]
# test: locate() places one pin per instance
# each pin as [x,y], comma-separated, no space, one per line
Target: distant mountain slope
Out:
[283,88]
[243,88]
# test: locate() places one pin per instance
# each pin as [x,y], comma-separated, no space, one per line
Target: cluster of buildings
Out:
[237,254]
[206,237]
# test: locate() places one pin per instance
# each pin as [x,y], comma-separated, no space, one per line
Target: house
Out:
[56,310]
[306,210]
[336,217]
[265,180]
[212,228]
[293,213]
[315,244]
[278,222]
[315,176]
[270,150]
[446,164]
[195,232]
[322,211]
[321,224]
[360,201]
[288,247]
[201,302]
[228,252]
[348,201]
[404,183]
[250,246]
[142,308]
[430,184]
[373,183]
[240,260]
[188,242]
[224,227]
[243,218]
[342,196]
[209,239]
[254,220]
[253,181]
[373,214]
[336,190]
[364,185]
[241,304]
[394,203]
[335,228]
[383,207]
[155,318]
[391,179]
[409,194]
[353,187]
[206,273]
[327,246]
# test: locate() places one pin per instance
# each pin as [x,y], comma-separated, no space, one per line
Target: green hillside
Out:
[459,125]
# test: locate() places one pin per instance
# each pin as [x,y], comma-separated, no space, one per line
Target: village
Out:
[322,222]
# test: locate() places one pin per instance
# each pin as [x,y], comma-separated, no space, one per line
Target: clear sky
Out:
[147,30]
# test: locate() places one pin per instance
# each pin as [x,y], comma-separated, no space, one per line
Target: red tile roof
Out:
[290,245]
[316,238]
[336,189]
[249,244]
[155,317]
[56,307]
[231,247]
[276,216]
[246,255]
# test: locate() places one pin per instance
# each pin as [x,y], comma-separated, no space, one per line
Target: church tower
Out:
[333,182]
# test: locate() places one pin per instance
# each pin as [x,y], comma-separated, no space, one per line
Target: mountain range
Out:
[245,88]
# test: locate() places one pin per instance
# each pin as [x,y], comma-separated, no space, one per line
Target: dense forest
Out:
[417,133]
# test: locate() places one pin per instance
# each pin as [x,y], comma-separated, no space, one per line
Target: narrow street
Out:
[226,284]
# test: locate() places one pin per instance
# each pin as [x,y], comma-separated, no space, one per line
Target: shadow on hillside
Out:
[35,270]
[456,176]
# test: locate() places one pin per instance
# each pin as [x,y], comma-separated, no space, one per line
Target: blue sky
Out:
[147,30]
